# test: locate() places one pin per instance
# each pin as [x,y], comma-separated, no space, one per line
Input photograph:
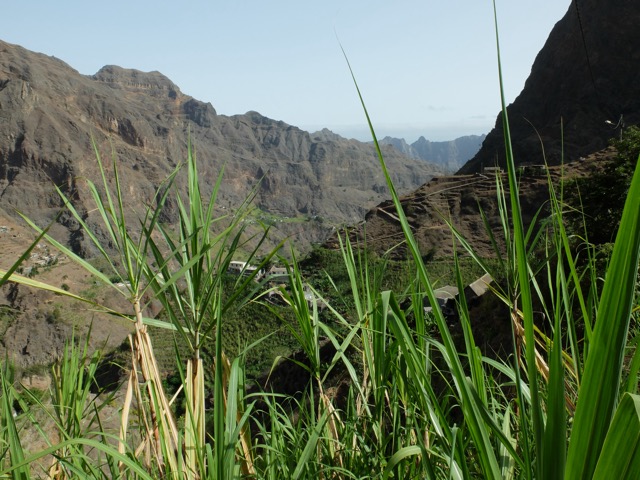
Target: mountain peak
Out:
[51,115]
[131,79]
[327,135]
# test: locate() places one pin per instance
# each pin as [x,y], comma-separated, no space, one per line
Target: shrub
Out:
[602,194]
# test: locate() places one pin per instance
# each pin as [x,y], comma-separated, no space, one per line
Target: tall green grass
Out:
[390,392]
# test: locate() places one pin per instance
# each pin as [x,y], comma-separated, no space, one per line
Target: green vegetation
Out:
[396,396]
[602,193]
[7,316]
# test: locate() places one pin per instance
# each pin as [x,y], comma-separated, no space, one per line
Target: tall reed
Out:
[398,395]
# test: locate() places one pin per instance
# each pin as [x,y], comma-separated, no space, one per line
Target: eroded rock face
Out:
[50,115]
[36,382]
[450,155]
[576,85]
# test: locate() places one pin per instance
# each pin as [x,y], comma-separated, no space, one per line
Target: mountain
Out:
[584,87]
[50,115]
[457,199]
[50,119]
[583,84]
[450,155]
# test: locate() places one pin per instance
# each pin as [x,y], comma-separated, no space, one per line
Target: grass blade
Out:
[620,457]
[522,268]
[9,428]
[398,457]
[598,394]
[478,430]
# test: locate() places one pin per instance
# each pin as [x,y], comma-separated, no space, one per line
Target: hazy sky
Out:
[424,67]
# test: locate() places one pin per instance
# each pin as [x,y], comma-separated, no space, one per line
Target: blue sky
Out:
[424,67]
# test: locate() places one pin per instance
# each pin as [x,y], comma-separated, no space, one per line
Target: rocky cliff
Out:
[50,114]
[583,88]
[50,118]
[450,155]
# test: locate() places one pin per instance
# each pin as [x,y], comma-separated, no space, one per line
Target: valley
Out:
[219,296]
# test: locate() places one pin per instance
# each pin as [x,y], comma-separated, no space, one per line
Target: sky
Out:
[425,68]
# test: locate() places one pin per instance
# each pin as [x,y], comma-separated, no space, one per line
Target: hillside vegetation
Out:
[384,389]
[385,381]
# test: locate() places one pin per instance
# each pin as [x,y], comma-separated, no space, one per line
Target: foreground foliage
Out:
[396,396]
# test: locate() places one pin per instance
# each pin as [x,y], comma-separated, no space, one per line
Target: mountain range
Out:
[51,117]
[450,155]
[583,90]
[53,120]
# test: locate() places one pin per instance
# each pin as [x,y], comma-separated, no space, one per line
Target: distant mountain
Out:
[49,114]
[304,185]
[450,155]
[583,88]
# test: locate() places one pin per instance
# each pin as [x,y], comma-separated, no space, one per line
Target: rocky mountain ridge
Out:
[50,117]
[458,199]
[450,155]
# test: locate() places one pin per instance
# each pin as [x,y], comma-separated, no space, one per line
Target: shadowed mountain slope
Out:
[584,80]
[458,199]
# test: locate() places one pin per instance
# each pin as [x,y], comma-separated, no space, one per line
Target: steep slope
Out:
[49,114]
[583,81]
[458,199]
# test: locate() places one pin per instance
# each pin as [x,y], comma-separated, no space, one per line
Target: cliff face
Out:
[582,83]
[449,155]
[50,114]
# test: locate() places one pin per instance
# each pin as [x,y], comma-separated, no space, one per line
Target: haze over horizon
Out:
[424,68]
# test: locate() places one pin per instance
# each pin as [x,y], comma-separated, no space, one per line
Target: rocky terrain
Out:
[50,114]
[582,83]
[457,199]
[449,155]
[50,119]
[305,184]
[582,91]
[35,324]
